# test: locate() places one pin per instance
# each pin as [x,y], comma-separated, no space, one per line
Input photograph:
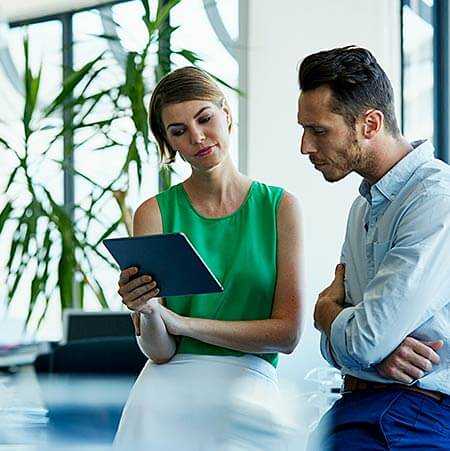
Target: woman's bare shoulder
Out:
[147,218]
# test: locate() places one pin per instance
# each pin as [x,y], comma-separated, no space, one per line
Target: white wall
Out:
[281,34]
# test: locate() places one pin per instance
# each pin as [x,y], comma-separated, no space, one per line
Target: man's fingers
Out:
[435,345]
[420,362]
[339,272]
[424,350]
[412,371]
[401,376]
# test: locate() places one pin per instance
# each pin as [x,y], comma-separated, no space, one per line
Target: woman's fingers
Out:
[133,284]
[126,275]
[138,292]
[138,303]
[136,318]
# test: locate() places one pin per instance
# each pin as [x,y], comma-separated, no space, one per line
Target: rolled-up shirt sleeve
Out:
[326,351]
[411,283]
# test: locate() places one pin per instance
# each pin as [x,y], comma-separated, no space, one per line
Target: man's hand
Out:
[331,301]
[410,360]
[336,290]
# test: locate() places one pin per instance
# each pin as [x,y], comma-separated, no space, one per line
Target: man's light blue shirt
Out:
[397,282]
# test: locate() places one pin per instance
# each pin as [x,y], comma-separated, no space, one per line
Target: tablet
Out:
[170,259]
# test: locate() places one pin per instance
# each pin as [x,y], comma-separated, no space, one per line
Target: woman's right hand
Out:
[136,292]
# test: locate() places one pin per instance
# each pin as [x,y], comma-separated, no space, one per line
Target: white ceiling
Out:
[12,10]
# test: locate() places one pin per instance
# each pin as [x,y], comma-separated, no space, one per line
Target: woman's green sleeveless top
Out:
[241,251]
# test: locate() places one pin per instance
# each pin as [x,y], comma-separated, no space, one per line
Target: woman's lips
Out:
[204,152]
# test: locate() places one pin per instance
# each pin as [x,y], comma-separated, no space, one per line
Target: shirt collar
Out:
[392,182]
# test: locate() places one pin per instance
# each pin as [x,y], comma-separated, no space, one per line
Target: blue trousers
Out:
[385,419]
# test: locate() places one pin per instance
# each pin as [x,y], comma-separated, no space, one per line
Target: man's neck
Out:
[383,157]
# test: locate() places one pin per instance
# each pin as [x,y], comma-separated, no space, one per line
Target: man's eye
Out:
[319,131]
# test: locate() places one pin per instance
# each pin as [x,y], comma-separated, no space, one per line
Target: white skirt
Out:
[198,402]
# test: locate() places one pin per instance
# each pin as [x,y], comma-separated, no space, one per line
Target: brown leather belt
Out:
[352,384]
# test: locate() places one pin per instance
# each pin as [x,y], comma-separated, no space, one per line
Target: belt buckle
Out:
[342,391]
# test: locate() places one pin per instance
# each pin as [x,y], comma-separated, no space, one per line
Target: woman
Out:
[211,381]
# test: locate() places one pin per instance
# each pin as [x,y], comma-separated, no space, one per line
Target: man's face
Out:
[331,144]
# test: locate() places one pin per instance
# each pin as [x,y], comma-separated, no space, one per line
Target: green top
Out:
[241,251]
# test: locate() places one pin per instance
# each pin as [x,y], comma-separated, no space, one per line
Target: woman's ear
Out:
[227,112]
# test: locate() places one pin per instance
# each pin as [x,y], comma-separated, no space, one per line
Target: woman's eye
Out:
[177,132]
[319,131]
[204,119]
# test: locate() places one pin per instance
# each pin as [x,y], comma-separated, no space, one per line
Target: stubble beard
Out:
[348,159]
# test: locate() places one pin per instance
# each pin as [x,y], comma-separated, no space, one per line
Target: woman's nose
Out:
[197,136]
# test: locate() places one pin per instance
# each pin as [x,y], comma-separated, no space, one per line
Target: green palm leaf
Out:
[70,84]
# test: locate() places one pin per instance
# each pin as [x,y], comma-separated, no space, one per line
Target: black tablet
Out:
[170,259]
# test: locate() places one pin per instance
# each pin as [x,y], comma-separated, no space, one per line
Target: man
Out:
[387,324]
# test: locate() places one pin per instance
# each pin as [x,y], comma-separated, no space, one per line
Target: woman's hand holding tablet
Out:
[170,259]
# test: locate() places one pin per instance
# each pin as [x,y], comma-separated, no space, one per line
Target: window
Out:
[425,72]
[75,32]
[418,69]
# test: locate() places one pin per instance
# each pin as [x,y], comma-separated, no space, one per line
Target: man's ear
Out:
[373,121]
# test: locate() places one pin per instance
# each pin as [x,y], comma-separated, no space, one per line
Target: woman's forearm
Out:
[154,340]
[258,336]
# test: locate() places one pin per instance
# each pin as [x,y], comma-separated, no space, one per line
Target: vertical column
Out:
[162,69]
[68,116]
[402,69]
[243,85]
[441,79]
[69,182]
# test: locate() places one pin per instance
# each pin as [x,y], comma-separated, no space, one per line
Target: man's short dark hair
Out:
[356,80]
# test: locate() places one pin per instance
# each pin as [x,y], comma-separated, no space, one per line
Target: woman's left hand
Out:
[174,322]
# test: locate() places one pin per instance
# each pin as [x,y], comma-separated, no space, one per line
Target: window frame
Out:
[66,19]
[437,15]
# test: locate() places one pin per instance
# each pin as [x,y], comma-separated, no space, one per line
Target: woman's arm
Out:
[139,294]
[282,331]
[153,338]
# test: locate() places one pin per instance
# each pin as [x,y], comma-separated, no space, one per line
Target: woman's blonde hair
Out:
[181,85]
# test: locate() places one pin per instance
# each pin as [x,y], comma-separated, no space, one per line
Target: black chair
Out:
[100,355]
[100,342]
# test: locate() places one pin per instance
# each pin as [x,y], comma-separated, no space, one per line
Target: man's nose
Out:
[306,146]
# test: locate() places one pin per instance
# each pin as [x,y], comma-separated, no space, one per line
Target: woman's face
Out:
[199,130]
